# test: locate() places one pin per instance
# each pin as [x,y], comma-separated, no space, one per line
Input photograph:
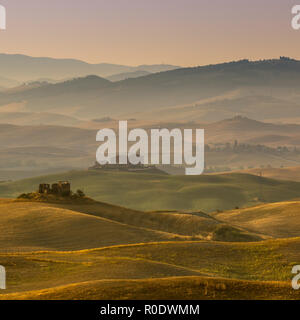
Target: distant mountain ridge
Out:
[25,68]
[263,89]
[128,75]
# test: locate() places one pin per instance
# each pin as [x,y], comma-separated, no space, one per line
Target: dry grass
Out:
[180,288]
[27,226]
[98,251]
[279,220]
[41,226]
[152,192]
[292,173]
[270,260]
[197,225]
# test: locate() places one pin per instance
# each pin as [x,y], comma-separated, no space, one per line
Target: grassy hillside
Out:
[32,226]
[80,274]
[182,288]
[150,192]
[91,250]
[291,173]
[195,225]
[278,220]
[40,226]
[269,260]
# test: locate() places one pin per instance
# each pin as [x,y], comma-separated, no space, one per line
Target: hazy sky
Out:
[182,32]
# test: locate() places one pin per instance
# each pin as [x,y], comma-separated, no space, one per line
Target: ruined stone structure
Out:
[44,188]
[62,188]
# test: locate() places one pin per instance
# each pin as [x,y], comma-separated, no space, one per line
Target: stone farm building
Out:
[62,188]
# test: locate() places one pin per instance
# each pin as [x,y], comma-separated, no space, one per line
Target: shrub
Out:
[80,193]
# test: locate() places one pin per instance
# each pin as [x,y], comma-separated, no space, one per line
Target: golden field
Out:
[93,250]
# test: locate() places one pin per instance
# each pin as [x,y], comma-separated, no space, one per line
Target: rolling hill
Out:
[61,249]
[252,131]
[175,288]
[34,129]
[37,119]
[266,89]
[127,75]
[196,225]
[150,192]
[279,220]
[40,147]
[166,270]
[56,126]
[241,129]
[48,225]
[41,226]
[250,102]
[291,173]
[50,136]
[35,148]
[25,68]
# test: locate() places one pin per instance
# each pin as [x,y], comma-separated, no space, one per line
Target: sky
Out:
[134,32]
